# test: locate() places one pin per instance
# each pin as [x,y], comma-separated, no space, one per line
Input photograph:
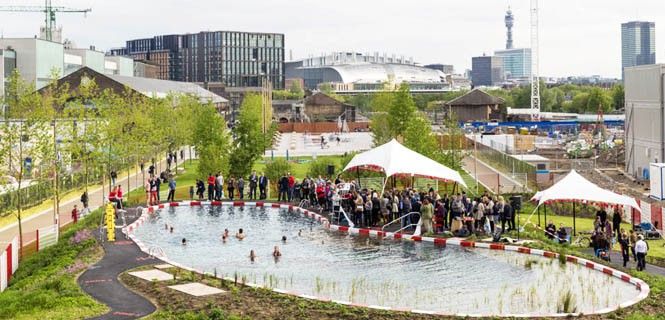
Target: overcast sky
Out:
[576,37]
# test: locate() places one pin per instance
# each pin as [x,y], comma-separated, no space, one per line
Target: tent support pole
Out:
[539,217]
[383,189]
[545,208]
[574,229]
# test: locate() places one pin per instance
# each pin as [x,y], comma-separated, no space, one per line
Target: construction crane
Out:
[49,12]
[535,78]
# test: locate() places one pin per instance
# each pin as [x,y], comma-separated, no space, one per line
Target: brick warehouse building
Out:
[237,59]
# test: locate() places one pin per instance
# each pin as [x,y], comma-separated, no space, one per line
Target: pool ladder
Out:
[156,252]
[417,225]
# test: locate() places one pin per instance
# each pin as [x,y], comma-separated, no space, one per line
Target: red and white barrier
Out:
[642,286]
[46,237]
[8,263]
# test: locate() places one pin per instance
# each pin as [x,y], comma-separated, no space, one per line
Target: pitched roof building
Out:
[476,105]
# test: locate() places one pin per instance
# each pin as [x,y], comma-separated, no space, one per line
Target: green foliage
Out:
[43,288]
[211,141]
[401,111]
[598,98]
[319,167]
[276,168]
[618,97]
[418,137]
[286,95]
[250,141]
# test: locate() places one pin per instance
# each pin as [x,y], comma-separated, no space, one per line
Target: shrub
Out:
[276,168]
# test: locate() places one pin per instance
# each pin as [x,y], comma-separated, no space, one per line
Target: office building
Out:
[236,59]
[37,60]
[516,63]
[638,44]
[7,66]
[353,72]
[487,71]
[645,124]
[445,68]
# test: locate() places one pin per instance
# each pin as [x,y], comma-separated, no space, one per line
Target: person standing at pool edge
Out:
[263,183]
[171,196]
[641,249]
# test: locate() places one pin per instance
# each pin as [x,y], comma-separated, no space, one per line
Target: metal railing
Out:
[415,233]
[156,252]
[304,203]
[399,219]
[341,210]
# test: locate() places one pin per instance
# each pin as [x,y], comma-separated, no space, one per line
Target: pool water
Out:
[390,273]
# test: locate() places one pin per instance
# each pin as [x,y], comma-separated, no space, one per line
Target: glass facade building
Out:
[237,59]
[516,62]
[487,71]
[638,44]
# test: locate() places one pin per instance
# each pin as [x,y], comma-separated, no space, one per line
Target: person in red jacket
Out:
[211,187]
[75,214]
[292,185]
[119,196]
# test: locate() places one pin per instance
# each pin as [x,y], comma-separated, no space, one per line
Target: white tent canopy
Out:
[574,187]
[393,158]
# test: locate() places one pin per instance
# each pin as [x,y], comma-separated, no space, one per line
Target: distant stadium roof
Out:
[380,72]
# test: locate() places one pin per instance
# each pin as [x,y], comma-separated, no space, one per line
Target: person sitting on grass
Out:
[550,230]
[240,235]
[562,234]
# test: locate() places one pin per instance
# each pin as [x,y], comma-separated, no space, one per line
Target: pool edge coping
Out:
[640,285]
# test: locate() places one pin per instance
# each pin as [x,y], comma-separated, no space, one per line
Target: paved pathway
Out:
[101,280]
[96,196]
[617,262]
[490,177]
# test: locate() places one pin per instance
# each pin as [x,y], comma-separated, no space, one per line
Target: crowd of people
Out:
[235,187]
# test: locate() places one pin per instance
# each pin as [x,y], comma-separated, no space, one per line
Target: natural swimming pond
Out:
[396,274]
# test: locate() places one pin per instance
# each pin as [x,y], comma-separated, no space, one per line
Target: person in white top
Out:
[641,249]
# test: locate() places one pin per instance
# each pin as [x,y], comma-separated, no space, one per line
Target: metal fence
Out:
[38,192]
[506,164]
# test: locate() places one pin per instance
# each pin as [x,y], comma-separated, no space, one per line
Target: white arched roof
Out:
[381,72]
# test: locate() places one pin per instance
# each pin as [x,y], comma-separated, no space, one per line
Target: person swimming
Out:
[300,233]
[276,253]
[283,238]
[171,230]
[240,235]
[226,232]
[184,241]
[166,226]
[224,238]
[252,255]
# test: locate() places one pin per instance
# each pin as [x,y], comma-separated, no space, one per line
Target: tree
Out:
[579,103]
[401,111]
[27,136]
[296,90]
[418,137]
[597,98]
[618,97]
[249,139]
[452,147]
[211,141]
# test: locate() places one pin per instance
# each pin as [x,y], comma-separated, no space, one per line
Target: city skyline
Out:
[576,38]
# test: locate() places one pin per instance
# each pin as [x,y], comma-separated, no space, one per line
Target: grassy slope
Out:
[43,287]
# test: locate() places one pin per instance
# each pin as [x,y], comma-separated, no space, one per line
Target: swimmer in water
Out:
[184,241]
[166,226]
[300,233]
[226,232]
[276,253]
[284,239]
[224,237]
[252,255]
[240,235]
[171,230]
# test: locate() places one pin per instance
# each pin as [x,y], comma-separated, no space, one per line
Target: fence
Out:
[46,237]
[498,184]
[320,127]
[8,263]
[505,163]
[36,193]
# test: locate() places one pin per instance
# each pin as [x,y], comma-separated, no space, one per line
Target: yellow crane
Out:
[49,11]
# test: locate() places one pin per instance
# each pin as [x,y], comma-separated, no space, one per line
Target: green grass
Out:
[300,165]
[43,288]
